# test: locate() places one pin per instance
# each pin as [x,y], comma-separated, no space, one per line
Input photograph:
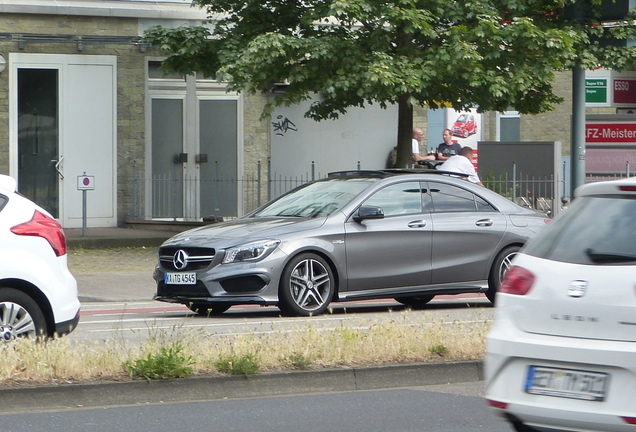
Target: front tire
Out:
[20,316]
[499,268]
[307,286]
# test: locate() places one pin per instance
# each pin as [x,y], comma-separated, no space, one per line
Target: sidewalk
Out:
[133,236]
[118,287]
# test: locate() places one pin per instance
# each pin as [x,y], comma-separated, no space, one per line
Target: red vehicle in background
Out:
[464,126]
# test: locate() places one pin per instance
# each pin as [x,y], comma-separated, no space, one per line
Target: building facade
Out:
[81,97]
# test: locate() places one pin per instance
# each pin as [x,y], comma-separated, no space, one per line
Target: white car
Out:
[562,351]
[38,294]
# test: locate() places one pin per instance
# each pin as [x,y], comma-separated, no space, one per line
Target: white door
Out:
[65,131]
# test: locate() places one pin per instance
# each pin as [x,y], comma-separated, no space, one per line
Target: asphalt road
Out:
[438,408]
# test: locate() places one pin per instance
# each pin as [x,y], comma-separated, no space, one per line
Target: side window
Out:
[449,198]
[483,205]
[3,201]
[398,199]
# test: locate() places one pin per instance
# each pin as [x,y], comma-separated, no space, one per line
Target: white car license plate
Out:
[180,278]
[567,383]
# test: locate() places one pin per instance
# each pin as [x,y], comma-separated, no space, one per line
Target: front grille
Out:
[197,258]
[198,290]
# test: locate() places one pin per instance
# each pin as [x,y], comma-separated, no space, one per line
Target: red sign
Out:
[610,132]
[624,91]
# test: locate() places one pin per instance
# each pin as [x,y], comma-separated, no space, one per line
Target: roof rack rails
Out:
[389,172]
[358,173]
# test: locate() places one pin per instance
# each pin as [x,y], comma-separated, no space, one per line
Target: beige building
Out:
[84,106]
[83,100]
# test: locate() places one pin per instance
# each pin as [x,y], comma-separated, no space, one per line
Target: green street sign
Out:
[596,90]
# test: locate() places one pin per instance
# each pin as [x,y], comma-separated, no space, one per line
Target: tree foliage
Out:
[488,54]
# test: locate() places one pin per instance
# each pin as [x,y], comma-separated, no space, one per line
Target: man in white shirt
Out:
[463,164]
[418,136]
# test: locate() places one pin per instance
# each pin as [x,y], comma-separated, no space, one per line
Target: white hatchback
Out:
[38,294]
[562,351]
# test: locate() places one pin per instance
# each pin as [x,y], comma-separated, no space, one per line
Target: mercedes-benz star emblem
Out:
[180,259]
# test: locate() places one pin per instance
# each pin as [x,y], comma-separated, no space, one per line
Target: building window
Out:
[508,126]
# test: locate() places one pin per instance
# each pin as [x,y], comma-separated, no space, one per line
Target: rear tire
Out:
[499,268]
[415,301]
[207,309]
[20,316]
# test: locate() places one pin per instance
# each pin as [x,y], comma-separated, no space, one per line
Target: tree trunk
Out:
[405,133]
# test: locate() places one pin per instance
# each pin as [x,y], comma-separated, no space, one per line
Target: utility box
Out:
[530,172]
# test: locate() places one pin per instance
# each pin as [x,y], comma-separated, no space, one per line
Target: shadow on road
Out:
[349,308]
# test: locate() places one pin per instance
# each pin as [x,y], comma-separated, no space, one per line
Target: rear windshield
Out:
[593,230]
[3,201]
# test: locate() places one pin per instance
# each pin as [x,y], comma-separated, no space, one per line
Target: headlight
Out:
[254,251]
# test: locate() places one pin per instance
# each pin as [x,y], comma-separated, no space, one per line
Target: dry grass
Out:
[394,341]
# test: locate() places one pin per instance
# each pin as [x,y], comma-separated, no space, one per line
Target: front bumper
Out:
[237,283]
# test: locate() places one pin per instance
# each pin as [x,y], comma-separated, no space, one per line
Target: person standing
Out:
[462,163]
[448,148]
[418,136]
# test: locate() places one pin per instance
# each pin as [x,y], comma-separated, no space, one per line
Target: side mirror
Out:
[368,212]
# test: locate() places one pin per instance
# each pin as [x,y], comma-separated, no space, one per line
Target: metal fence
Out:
[540,193]
[165,198]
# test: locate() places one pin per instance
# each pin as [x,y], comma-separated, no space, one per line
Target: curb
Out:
[93,395]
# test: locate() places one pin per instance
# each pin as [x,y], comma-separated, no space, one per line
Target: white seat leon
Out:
[562,352]
[38,294]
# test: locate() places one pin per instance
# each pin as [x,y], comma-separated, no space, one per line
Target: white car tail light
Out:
[46,227]
[517,281]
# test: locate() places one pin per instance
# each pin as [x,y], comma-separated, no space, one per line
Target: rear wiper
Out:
[607,258]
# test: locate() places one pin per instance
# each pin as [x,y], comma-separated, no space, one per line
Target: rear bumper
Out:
[509,354]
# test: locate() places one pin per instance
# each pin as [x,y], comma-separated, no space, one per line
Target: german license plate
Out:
[180,278]
[567,383]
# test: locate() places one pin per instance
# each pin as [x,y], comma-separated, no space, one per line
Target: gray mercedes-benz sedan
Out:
[408,235]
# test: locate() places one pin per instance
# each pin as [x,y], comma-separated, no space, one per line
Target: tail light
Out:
[517,281]
[46,227]
[496,404]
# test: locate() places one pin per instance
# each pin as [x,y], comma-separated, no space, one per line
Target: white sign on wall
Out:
[465,126]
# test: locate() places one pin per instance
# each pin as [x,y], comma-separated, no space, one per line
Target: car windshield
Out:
[317,199]
[593,230]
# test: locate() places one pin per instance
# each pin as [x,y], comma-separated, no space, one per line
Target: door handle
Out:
[417,224]
[57,166]
[484,222]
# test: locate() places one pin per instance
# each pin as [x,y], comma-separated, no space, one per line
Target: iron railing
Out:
[166,198]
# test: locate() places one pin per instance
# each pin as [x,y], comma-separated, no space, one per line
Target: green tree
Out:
[489,54]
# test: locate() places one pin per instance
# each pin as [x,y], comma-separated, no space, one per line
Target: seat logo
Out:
[577,288]
[180,259]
